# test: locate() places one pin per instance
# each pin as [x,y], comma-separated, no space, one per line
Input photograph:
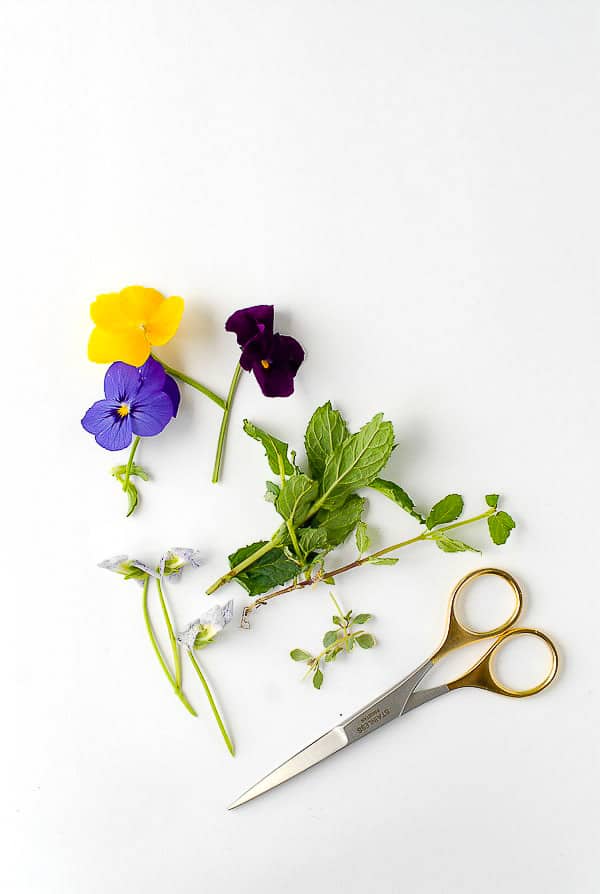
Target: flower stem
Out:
[174,644]
[194,383]
[211,701]
[326,575]
[178,692]
[134,447]
[225,422]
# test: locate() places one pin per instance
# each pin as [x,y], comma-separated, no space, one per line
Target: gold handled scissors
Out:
[402,698]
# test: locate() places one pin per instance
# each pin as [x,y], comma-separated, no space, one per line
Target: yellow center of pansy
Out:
[265,364]
[123,410]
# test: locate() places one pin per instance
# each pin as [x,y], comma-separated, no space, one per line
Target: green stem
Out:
[225,422]
[194,383]
[174,644]
[180,695]
[326,575]
[211,701]
[134,447]
[245,563]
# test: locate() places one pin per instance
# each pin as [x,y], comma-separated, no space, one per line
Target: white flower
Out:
[129,568]
[175,559]
[203,630]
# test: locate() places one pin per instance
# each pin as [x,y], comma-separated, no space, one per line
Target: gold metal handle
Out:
[482,674]
[459,634]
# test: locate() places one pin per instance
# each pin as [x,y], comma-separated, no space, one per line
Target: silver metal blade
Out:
[318,750]
[422,696]
[374,715]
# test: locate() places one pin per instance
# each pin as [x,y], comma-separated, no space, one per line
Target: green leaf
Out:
[318,678]
[271,570]
[330,638]
[500,525]
[492,500]
[337,620]
[326,431]
[274,448]
[365,640]
[332,654]
[300,655]
[272,491]
[398,495]
[357,461]
[380,560]
[330,581]
[362,538]
[312,539]
[296,497]
[132,496]
[363,618]
[447,510]
[449,545]
[339,523]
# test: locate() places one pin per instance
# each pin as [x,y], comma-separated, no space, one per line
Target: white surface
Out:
[415,186]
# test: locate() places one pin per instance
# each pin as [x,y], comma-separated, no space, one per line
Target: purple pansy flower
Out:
[273,358]
[138,401]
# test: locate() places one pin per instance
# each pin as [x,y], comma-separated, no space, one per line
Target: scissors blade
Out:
[422,696]
[378,712]
[317,751]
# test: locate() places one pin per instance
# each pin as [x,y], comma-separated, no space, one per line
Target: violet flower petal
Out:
[284,359]
[171,389]
[152,376]
[151,414]
[121,382]
[118,435]
[245,322]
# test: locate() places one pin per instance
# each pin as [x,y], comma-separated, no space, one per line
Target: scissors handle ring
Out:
[459,634]
[482,675]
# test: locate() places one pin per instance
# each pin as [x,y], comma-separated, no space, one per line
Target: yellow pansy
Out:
[130,322]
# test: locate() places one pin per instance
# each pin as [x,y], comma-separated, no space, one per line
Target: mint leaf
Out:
[398,495]
[325,432]
[492,500]
[332,654]
[500,525]
[300,655]
[318,678]
[312,539]
[447,510]
[363,618]
[271,570]
[365,640]
[339,523]
[274,448]
[357,461]
[380,560]
[296,497]
[330,638]
[362,538]
[449,545]
[272,491]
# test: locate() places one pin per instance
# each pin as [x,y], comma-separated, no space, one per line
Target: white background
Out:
[414,185]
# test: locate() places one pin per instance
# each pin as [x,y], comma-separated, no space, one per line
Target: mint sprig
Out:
[322,506]
[346,633]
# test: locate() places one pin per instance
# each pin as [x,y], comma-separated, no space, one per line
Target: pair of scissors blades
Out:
[404,696]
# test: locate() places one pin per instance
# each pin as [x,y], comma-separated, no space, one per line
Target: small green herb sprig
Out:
[322,506]
[341,639]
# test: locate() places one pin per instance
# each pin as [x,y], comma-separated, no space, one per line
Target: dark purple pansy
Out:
[138,401]
[273,358]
